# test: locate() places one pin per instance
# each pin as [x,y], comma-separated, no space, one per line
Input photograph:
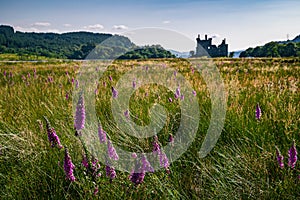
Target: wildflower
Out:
[279,158]
[110,172]
[292,153]
[80,114]
[104,83]
[28,75]
[194,93]
[133,84]
[112,151]
[182,97]
[95,168]
[114,92]
[133,155]
[101,134]
[85,161]
[177,92]
[257,112]
[76,84]
[126,114]
[96,190]
[67,96]
[170,99]
[72,80]
[4,73]
[137,178]
[156,147]
[110,78]
[34,73]
[163,160]
[146,166]
[52,136]
[68,166]
[175,73]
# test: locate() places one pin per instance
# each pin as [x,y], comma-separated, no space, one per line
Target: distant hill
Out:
[290,48]
[73,45]
[179,54]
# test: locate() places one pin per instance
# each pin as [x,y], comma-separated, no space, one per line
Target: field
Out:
[242,165]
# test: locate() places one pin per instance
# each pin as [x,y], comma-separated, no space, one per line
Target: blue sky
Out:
[242,23]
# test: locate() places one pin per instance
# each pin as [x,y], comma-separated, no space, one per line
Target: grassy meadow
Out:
[242,165]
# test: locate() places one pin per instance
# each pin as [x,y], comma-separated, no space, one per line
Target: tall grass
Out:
[242,165]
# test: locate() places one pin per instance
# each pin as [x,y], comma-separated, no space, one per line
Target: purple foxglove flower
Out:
[163,160]
[133,155]
[67,96]
[96,190]
[10,75]
[292,153]
[279,158]
[110,78]
[170,100]
[110,172]
[114,92]
[95,168]
[34,73]
[4,73]
[111,151]
[257,112]
[194,93]
[156,147]
[137,178]
[101,135]
[176,96]
[52,136]
[85,161]
[80,114]
[182,97]
[69,166]
[28,75]
[72,80]
[178,91]
[146,166]
[147,68]
[126,114]
[133,84]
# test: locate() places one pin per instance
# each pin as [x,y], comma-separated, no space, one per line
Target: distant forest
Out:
[76,45]
[275,49]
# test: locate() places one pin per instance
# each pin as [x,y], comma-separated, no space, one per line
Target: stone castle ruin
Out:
[206,48]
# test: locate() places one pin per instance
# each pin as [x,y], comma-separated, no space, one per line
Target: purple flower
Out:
[76,84]
[28,75]
[146,166]
[170,100]
[257,112]
[137,178]
[34,73]
[177,92]
[95,168]
[68,166]
[85,161]
[101,134]
[67,96]
[111,151]
[133,155]
[104,83]
[80,114]
[133,84]
[52,136]
[175,73]
[156,147]
[279,158]
[126,114]
[292,153]
[114,92]
[110,172]
[171,139]
[163,160]
[110,78]
[194,93]
[72,80]
[96,190]
[4,73]
[182,97]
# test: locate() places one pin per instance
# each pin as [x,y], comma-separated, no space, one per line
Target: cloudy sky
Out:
[242,23]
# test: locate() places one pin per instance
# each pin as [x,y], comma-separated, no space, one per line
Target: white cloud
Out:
[166,22]
[36,30]
[120,27]
[67,25]
[94,27]
[41,24]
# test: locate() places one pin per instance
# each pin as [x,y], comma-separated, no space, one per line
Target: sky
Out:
[243,23]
